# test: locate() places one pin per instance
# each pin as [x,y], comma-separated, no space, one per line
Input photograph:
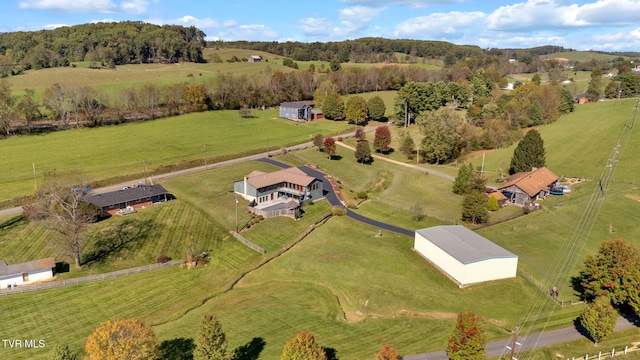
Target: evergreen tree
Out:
[363,152]
[356,110]
[468,339]
[407,145]
[599,318]
[535,113]
[528,154]
[382,139]
[492,204]
[566,101]
[303,347]
[211,341]
[595,88]
[461,184]
[474,208]
[376,108]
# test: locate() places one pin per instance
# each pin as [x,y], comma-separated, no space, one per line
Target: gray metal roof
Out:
[124,195]
[25,267]
[463,244]
[294,105]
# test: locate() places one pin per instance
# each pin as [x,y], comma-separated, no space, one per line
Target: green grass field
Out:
[353,291]
[107,152]
[581,56]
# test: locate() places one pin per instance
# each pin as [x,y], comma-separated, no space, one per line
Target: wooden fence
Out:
[248,243]
[86,279]
[292,213]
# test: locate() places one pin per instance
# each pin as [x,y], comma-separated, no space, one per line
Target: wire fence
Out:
[86,279]
[248,243]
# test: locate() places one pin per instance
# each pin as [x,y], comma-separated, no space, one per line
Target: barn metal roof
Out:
[26,267]
[463,244]
[124,195]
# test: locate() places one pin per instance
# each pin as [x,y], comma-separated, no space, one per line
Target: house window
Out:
[111,206]
[25,277]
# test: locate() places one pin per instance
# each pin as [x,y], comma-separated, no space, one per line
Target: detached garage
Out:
[463,255]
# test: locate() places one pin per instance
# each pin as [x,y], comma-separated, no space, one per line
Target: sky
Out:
[606,25]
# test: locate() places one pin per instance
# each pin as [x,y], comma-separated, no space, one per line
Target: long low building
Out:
[26,272]
[136,197]
[465,256]
[280,186]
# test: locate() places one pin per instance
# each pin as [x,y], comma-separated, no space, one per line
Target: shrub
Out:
[338,211]
[352,204]
[362,195]
[339,138]
[162,258]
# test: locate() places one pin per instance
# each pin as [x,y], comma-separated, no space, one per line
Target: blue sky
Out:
[608,25]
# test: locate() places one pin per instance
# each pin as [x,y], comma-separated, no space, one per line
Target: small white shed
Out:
[465,256]
[26,273]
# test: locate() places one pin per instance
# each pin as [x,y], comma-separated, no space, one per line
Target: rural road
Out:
[534,341]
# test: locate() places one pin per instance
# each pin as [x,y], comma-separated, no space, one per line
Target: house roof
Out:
[29,266]
[463,244]
[259,179]
[124,195]
[532,182]
[498,195]
[294,105]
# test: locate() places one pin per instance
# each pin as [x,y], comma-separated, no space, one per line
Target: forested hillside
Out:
[102,44]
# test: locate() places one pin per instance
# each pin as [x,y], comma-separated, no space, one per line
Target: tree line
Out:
[101,44]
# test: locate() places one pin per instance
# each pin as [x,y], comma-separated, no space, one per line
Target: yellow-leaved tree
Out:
[122,339]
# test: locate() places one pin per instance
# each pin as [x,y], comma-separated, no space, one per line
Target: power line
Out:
[542,308]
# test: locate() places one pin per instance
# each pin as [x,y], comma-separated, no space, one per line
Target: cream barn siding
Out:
[26,273]
[465,256]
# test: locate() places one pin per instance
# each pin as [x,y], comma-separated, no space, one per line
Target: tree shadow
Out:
[250,350]
[581,329]
[330,353]
[116,239]
[335,157]
[177,349]
[576,285]
[62,267]
[13,222]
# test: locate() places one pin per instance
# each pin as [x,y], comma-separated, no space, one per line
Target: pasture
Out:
[134,149]
[353,291]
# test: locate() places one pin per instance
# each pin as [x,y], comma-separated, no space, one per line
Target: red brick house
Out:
[135,198]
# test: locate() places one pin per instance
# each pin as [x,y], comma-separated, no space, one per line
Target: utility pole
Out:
[236,212]
[515,343]
[35,179]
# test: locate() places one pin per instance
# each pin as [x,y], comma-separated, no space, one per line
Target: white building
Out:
[26,273]
[463,255]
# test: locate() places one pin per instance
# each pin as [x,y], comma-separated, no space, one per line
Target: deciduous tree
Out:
[7,102]
[62,352]
[211,341]
[406,144]
[333,108]
[613,272]
[599,318]
[382,139]
[330,146]
[318,141]
[363,152]
[468,339]
[441,143]
[303,347]
[122,339]
[387,352]
[356,110]
[528,154]
[376,108]
[61,203]
[324,89]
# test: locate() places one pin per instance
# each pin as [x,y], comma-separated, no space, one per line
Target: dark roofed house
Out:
[134,198]
[26,272]
[299,111]
[523,188]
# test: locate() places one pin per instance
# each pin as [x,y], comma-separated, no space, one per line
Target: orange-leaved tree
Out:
[122,339]
[387,352]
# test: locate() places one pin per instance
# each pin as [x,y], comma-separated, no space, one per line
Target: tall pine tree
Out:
[528,154]
[211,341]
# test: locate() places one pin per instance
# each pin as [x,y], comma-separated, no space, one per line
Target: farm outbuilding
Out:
[296,111]
[26,273]
[466,257]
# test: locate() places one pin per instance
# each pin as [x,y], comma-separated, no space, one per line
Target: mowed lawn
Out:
[134,148]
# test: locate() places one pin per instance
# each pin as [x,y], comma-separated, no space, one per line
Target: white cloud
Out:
[438,25]
[53,26]
[540,14]
[316,26]
[409,3]
[356,18]
[78,6]
[136,7]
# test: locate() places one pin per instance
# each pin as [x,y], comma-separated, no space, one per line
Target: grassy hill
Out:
[581,56]
[352,290]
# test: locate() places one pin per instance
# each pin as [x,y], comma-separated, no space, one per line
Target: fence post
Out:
[625,349]
[599,355]
[613,352]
